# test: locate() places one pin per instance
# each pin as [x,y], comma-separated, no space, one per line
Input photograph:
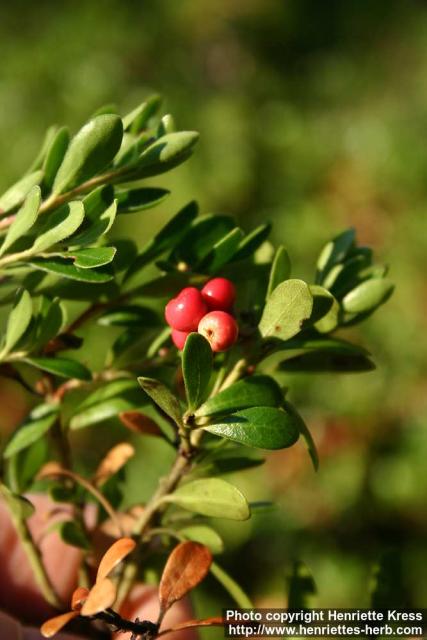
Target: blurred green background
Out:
[312,115]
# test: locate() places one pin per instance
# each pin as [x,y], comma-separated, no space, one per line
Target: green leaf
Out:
[137,119]
[231,586]
[23,467]
[91,150]
[54,156]
[305,433]
[205,535]
[324,315]
[165,239]
[130,316]
[286,309]
[166,153]
[60,225]
[280,269]
[50,321]
[133,200]
[368,295]
[302,588]
[222,251]
[251,242]
[257,390]
[20,506]
[260,427]
[166,125]
[72,533]
[389,585]
[327,362]
[204,233]
[197,362]
[331,345]
[92,257]
[18,321]
[211,497]
[66,269]
[19,191]
[63,367]
[25,218]
[99,225]
[97,201]
[228,464]
[161,395]
[39,159]
[334,252]
[34,427]
[107,402]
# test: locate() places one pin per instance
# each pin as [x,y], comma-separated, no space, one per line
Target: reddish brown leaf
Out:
[115,459]
[126,520]
[52,626]
[136,421]
[192,624]
[187,565]
[79,596]
[101,597]
[49,469]
[115,554]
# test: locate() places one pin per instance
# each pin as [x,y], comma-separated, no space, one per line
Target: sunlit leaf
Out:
[52,626]
[18,321]
[211,497]
[101,596]
[24,220]
[286,309]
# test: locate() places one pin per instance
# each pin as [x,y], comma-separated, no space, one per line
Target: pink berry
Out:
[219,294]
[220,329]
[179,338]
[184,312]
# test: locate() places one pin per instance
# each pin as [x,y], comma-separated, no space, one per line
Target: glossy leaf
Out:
[166,153]
[51,627]
[260,427]
[186,567]
[133,200]
[18,321]
[92,257]
[368,295]
[257,390]
[280,269]
[101,596]
[204,535]
[197,362]
[92,149]
[61,224]
[17,193]
[327,362]
[24,220]
[162,396]
[63,367]
[211,497]
[113,556]
[34,427]
[113,461]
[55,156]
[66,269]
[286,309]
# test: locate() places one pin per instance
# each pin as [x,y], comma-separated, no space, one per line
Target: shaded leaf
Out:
[205,535]
[286,309]
[92,257]
[186,567]
[211,497]
[231,586]
[327,362]
[79,596]
[115,459]
[139,117]
[250,243]
[34,427]
[260,427]
[60,225]
[52,626]
[194,624]
[334,252]
[166,153]
[197,362]
[130,316]
[161,395]
[324,315]
[24,220]
[302,588]
[72,533]
[280,269]
[133,200]
[55,155]
[63,367]
[140,423]
[91,149]
[222,251]
[66,269]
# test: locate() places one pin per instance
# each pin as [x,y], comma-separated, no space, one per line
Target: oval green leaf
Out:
[197,361]
[211,497]
[285,311]
[368,295]
[30,431]
[257,390]
[24,220]
[63,367]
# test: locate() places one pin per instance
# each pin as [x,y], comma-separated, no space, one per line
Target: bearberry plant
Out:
[209,325]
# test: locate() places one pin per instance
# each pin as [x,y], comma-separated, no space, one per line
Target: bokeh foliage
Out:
[314,118]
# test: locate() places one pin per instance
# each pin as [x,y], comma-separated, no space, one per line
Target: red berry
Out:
[184,312]
[179,338]
[220,329]
[219,294]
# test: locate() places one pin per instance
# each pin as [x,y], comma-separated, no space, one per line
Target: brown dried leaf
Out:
[115,554]
[187,565]
[115,459]
[79,596]
[140,423]
[101,597]
[52,626]
[49,469]
[126,520]
[192,624]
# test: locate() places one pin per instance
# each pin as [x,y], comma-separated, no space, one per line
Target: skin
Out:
[23,608]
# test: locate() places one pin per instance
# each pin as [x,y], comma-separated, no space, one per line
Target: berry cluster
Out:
[207,311]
